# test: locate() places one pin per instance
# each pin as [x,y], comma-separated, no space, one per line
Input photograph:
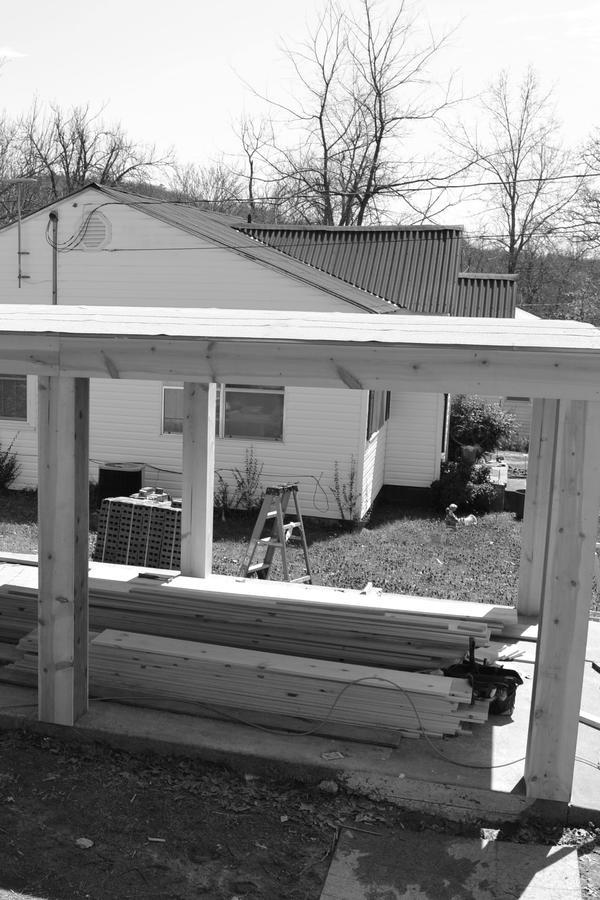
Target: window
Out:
[13,397]
[379,411]
[172,415]
[251,411]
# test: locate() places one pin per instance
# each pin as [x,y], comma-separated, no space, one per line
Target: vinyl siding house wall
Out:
[130,253]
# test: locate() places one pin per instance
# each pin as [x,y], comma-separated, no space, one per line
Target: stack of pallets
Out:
[138,532]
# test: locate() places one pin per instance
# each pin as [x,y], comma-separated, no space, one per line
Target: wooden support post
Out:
[199,406]
[540,472]
[568,565]
[63,511]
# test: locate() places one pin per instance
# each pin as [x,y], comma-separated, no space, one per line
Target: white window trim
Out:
[386,415]
[30,420]
[250,389]
[221,391]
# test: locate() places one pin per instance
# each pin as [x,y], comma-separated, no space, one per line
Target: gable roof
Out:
[377,269]
[217,229]
[415,267]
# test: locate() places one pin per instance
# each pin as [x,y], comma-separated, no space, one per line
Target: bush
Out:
[479,423]
[465,484]
[9,466]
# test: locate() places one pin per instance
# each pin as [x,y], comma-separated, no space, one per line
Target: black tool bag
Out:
[492,683]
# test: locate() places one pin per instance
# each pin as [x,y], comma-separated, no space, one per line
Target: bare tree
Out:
[338,152]
[524,170]
[584,220]
[61,151]
[215,187]
[74,147]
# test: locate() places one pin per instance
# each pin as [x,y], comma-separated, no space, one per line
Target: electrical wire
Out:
[317,479]
[222,712]
[74,240]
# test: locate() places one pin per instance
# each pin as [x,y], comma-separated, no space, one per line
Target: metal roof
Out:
[217,228]
[414,267]
[493,296]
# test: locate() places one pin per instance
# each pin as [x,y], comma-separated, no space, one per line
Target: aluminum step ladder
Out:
[272,533]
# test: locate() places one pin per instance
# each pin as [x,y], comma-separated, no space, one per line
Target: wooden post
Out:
[63,512]
[199,406]
[566,582]
[540,472]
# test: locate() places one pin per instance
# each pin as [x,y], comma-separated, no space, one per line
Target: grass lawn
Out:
[400,551]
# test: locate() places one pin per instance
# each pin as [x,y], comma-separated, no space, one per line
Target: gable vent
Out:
[95,230]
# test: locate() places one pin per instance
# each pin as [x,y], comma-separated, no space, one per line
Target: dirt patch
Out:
[88,822]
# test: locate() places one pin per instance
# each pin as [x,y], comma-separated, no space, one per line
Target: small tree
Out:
[479,423]
[10,467]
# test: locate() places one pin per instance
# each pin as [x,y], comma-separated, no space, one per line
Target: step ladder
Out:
[272,532]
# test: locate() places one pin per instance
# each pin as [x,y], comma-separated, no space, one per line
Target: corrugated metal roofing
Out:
[415,267]
[381,269]
[494,296]
[218,229]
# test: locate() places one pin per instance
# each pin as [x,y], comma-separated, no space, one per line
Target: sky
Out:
[176,73]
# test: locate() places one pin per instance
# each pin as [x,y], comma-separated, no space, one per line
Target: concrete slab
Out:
[404,865]
[477,777]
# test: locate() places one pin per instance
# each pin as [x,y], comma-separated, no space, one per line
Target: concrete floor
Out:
[464,778]
[413,866]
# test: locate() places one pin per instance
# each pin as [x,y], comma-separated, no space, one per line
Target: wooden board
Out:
[330,697]
[303,620]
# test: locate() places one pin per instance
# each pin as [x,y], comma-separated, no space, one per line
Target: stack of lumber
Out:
[138,532]
[364,628]
[318,695]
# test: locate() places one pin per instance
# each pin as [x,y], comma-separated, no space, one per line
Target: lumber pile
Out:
[318,695]
[363,628]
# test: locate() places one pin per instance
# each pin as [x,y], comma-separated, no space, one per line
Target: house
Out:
[108,247]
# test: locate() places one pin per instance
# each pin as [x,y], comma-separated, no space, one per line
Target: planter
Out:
[497,499]
[519,503]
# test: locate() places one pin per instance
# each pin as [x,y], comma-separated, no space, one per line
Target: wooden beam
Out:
[63,510]
[431,369]
[199,413]
[567,582]
[534,535]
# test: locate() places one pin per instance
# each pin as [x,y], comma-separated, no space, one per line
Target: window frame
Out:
[384,399]
[220,427]
[29,400]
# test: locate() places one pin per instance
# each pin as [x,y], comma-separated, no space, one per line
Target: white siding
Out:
[146,263]
[373,465]
[125,427]
[519,407]
[23,438]
[150,263]
[414,439]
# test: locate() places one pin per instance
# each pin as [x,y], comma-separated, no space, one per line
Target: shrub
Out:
[347,496]
[479,423]
[465,484]
[248,494]
[9,466]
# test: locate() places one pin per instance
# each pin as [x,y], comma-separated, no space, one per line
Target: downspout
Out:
[54,219]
